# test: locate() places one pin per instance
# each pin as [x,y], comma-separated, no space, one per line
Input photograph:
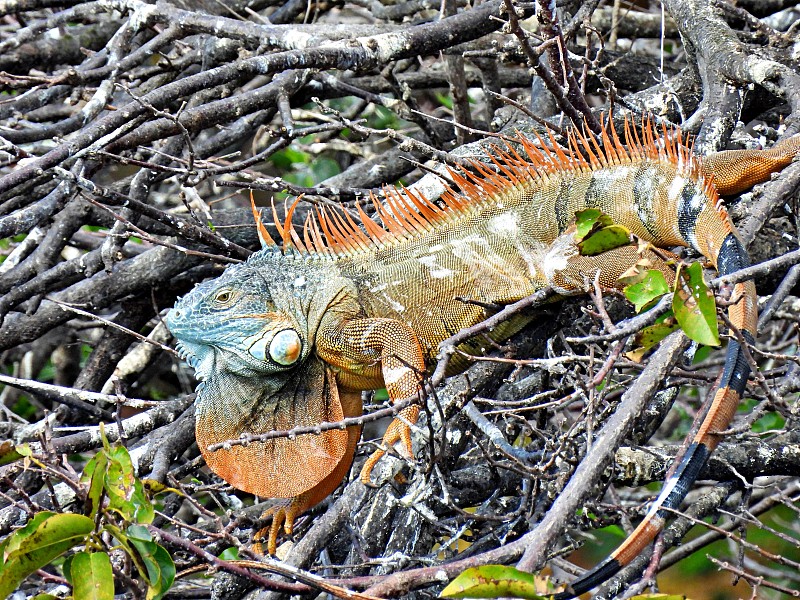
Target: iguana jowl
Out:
[293,335]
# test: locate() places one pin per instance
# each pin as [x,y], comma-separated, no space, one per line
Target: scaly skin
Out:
[290,337]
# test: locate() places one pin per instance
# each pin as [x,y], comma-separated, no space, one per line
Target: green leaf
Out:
[595,232]
[605,239]
[145,513]
[154,562]
[44,538]
[231,553]
[702,353]
[125,491]
[91,576]
[284,159]
[769,422]
[95,474]
[156,487]
[694,306]
[322,169]
[493,581]
[652,286]
[444,100]
[111,471]
[588,220]
[651,335]
[10,453]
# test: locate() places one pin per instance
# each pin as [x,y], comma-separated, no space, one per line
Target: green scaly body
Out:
[289,338]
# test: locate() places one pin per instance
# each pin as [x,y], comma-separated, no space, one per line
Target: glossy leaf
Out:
[652,335]
[649,288]
[694,306]
[10,453]
[44,538]
[589,220]
[156,487]
[111,472]
[605,239]
[154,562]
[94,473]
[91,576]
[493,581]
[231,553]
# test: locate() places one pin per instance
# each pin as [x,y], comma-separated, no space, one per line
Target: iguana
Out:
[291,337]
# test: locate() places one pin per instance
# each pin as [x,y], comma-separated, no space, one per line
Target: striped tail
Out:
[731,256]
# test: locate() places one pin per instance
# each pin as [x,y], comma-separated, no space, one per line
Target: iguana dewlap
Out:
[293,335]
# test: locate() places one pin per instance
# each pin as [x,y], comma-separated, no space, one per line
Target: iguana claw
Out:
[283,515]
[399,430]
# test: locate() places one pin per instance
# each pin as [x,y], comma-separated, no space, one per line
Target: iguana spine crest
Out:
[333,233]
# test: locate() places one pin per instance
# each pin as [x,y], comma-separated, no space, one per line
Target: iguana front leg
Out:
[370,353]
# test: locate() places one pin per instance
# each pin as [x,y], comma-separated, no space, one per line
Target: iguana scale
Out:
[292,336]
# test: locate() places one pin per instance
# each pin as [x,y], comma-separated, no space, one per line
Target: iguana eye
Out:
[285,347]
[223,297]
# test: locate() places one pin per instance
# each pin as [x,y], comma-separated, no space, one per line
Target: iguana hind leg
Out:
[735,171]
[575,274]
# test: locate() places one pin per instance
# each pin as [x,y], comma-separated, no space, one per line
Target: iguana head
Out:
[232,323]
[249,334]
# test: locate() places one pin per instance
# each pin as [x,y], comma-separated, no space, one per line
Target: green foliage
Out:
[5,244]
[702,353]
[769,422]
[110,473]
[650,287]
[91,576]
[694,306]
[24,408]
[381,117]
[116,504]
[652,335]
[596,232]
[605,239]
[153,562]
[445,100]
[494,581]
[231,553]
[45,537]
[589,219]
[303,168]
[10,453]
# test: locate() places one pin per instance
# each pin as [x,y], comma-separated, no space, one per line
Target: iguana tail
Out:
[720,243]
[731,257]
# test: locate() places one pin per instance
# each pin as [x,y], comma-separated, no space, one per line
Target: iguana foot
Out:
[283,514]
[399,430]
